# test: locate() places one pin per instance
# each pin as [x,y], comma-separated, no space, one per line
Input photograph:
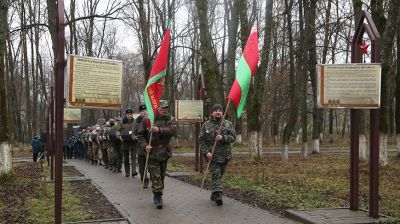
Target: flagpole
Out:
[145,166]
[215,144]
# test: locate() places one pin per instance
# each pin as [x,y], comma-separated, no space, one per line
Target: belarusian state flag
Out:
[244,72]
[155,85]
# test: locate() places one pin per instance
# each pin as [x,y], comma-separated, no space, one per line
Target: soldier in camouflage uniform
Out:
[110,148]
[128,142]
[222,153]
[105,145]
[115,144]
[160,151]
[140,150]
[88,144]
[96,147]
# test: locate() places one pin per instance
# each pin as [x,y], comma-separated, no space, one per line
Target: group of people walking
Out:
[127,140]
[112,144]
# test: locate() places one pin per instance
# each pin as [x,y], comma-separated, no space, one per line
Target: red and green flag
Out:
[244,72]
[155,85]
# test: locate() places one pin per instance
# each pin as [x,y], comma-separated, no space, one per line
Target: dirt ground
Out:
[93,201]
[70,171]
[15,191]
[13,194]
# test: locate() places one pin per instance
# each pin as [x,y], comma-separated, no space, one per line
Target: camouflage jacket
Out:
[209,130]
[95,138]
[127,128]
[161,150]
[138,128]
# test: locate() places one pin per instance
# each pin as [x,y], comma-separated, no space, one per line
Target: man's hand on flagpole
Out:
[209,156]
[218,138]
[155,129]
[148,148]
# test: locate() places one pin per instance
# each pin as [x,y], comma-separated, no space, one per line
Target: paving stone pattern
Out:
[183,203]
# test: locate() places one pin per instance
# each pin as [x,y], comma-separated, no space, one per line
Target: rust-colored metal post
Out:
[51,134]
[197,149]
[355,130]
[374,165]
[374,131]
[354,159]
[48,133]
[59,107]
[370,28]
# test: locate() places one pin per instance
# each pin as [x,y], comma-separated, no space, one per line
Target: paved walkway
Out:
[183,203]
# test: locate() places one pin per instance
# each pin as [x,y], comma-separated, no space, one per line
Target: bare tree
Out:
[212,77]
[4,138]
[256,93]
[387,71]
[397,93]
[293,110]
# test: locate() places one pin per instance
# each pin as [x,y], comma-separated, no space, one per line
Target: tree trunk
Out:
[363,143]
[256,92]
[303,79]
[14,109]
[397,91]
[28,107]
[34,74]
[233,20]
[4,138]
[363,147]
[293,112]
[214,92]
[310,12]
[387,72]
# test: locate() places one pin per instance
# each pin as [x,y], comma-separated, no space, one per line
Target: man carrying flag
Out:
[159,151]
[209,134]
[159,127]
[217,134]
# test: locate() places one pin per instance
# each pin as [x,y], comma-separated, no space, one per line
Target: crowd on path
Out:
[133,142]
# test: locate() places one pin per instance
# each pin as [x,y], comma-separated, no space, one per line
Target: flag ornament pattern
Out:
[245,71]
[155,84]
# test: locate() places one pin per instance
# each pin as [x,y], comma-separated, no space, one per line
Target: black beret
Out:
[128,111]
[142,107]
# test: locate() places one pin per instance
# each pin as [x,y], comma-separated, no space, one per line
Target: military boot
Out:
[212,197]
[158,200]
[146,183]
[115,169]
[111,167]
[218,197]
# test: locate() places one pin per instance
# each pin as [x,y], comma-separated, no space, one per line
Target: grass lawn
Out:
[321,181]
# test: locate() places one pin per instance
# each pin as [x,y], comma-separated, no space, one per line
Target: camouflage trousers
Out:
[217,171]
[116,154]
[157,171]
[141,163]
[109,154]
[89,151]
[104,152]
[96,151]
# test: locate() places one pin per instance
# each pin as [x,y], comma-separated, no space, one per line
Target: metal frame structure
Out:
[372,32]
